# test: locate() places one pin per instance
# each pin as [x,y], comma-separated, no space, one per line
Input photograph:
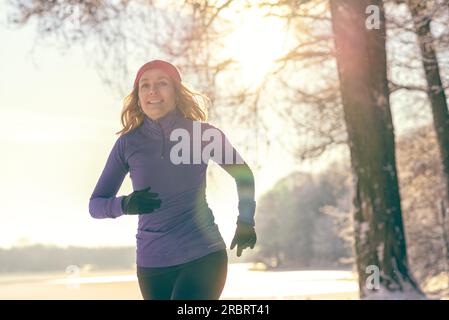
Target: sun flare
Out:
[256,43]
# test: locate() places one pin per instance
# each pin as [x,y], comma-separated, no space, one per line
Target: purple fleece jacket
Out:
[183,228]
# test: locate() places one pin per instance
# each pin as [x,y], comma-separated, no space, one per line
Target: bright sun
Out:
[256,43]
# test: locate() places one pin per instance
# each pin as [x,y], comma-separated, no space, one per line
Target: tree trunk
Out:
[435,91]
[378,225]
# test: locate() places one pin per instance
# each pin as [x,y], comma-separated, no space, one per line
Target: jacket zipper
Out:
[163,140]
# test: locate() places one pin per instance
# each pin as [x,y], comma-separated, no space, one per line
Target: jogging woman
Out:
[165,145]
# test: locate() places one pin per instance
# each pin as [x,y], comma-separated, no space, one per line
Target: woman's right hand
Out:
[141,202]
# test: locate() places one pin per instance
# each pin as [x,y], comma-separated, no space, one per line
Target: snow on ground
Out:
[242,283]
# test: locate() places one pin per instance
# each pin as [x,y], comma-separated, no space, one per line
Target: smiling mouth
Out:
[155,101]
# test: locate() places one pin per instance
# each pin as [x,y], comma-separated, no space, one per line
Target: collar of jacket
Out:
[162,126]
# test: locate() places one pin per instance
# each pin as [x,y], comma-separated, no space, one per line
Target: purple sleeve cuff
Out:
[247,210]
[101,208]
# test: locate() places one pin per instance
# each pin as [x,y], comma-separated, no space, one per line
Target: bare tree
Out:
[379,233]
[422,17]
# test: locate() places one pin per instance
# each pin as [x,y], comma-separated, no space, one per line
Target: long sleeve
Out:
[232,162]
[244,180]
[103,203]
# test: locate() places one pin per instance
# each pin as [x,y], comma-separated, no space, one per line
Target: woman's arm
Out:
[103,203]
[244,180]
[245,235]
[232,162]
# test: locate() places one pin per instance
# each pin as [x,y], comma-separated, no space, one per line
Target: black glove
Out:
[245,236]
[140,202]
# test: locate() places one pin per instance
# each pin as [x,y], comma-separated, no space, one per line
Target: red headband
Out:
[170,69]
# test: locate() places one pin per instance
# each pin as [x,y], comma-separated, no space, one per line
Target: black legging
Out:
[200,279]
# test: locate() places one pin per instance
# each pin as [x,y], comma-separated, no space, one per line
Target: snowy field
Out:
[241,284]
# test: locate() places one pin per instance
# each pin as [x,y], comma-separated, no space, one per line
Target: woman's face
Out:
[157,95]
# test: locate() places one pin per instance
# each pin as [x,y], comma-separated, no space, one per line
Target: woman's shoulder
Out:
[208,125]
[186,122]
[201,125]
[129,138]
[131,134]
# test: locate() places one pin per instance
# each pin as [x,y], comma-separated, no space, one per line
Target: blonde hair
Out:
[191,104]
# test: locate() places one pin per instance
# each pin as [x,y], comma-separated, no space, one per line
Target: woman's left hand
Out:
[245,236]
